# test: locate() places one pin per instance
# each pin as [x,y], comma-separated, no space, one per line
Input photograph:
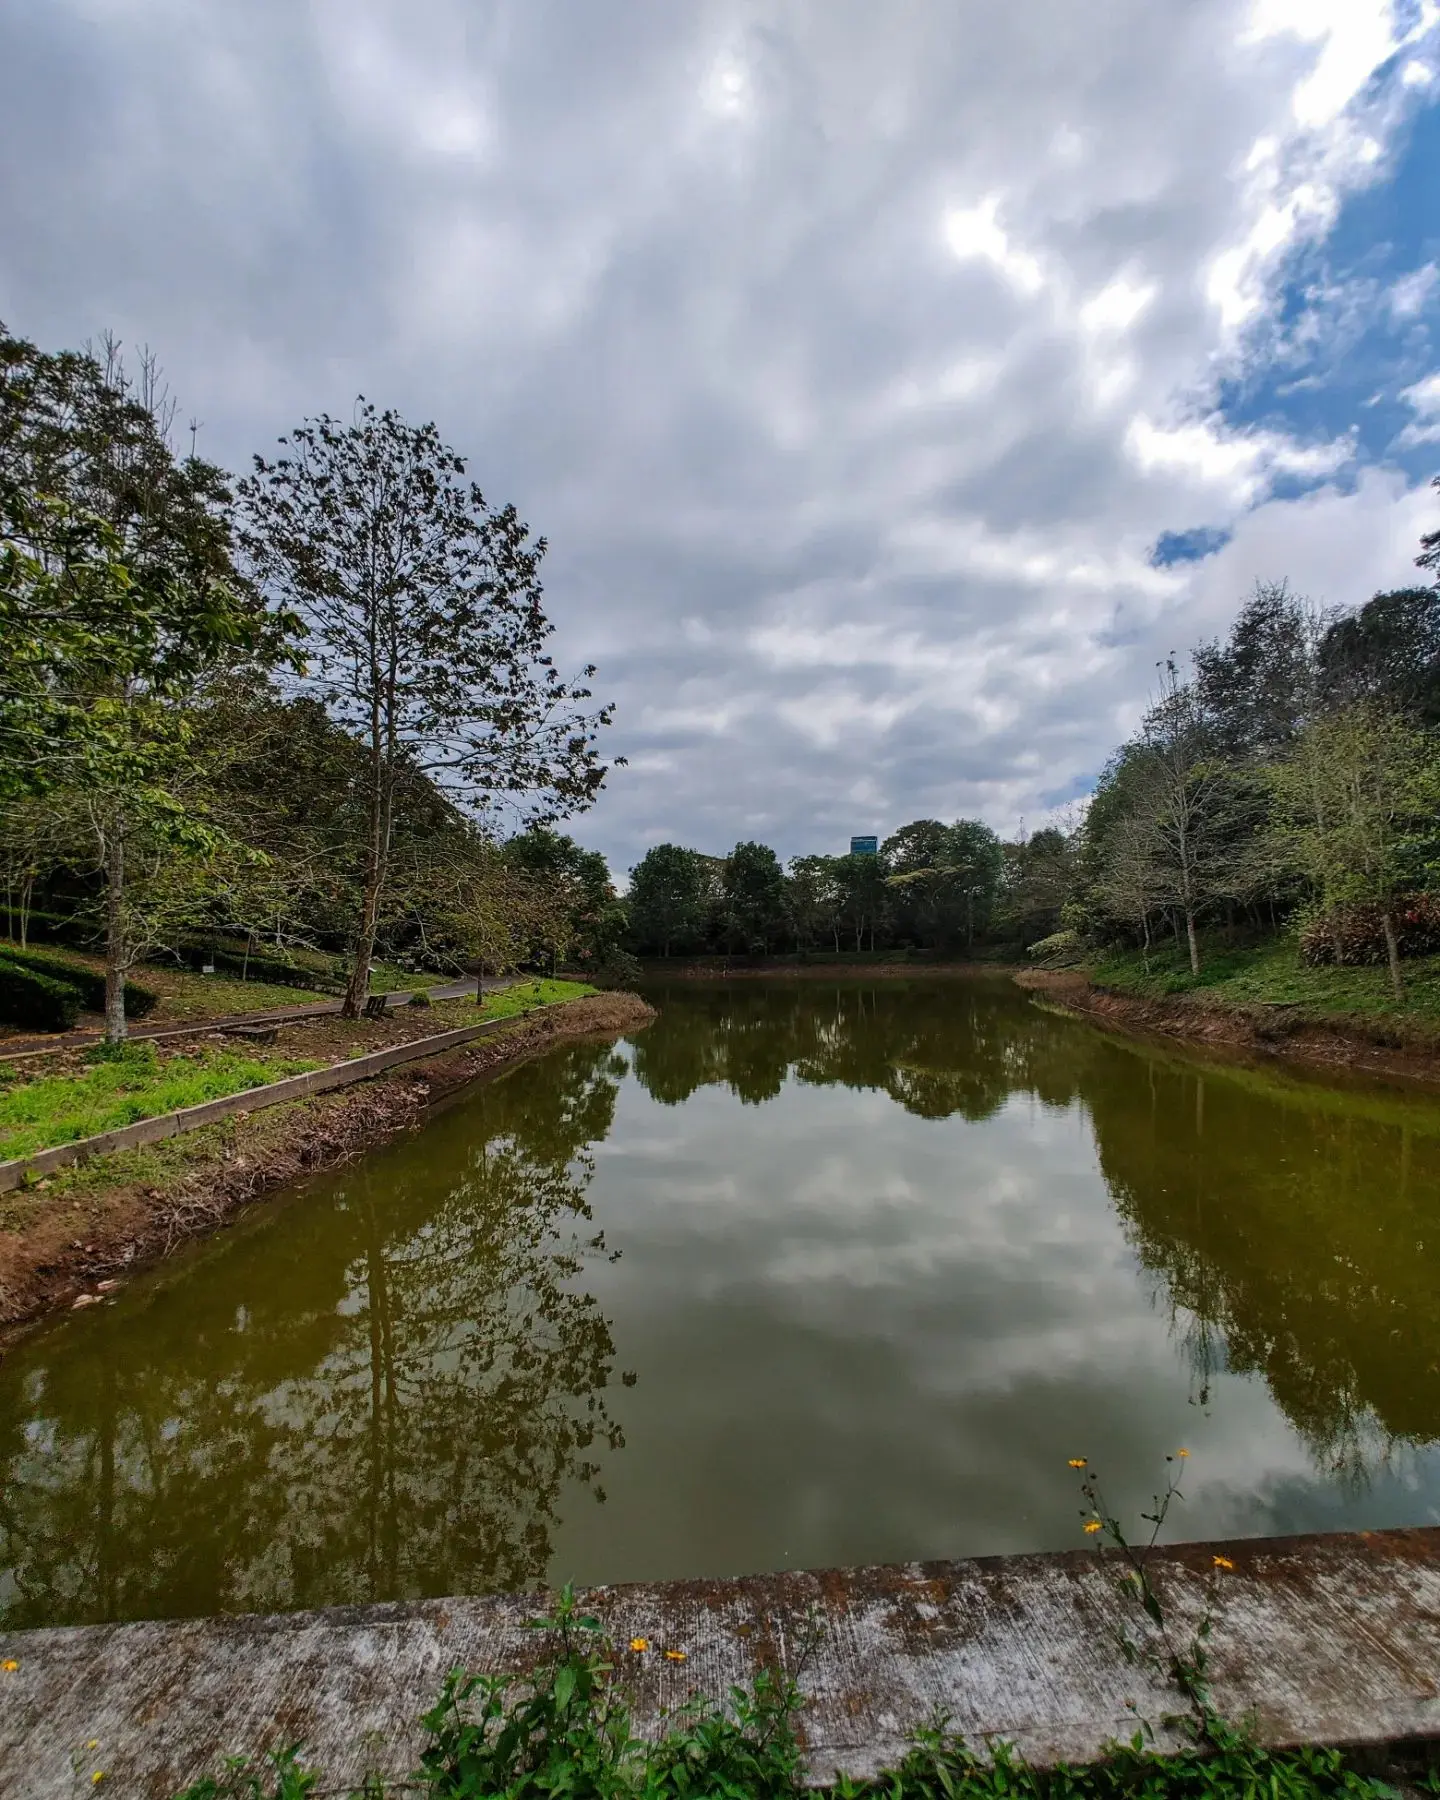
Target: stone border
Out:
[1328,1639]
[293,1087]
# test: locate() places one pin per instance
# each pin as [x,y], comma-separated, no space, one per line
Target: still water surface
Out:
[801,1275]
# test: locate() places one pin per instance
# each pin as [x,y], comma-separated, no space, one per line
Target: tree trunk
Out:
[1194,946]
[357,991]
[114,933]
[1392,954]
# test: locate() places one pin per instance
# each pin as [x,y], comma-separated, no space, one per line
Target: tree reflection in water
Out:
[393,1385]
[1291,1223]
[390,1409]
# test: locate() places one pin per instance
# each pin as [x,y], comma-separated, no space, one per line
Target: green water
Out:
[804,1274]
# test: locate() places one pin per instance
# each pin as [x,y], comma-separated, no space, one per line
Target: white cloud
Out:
[1423,399]
[851,375]
[1410,295]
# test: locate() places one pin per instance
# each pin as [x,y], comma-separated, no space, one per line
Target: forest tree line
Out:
[1287,778]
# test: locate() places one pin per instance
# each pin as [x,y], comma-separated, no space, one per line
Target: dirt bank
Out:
[72,1239]
[1277,1031]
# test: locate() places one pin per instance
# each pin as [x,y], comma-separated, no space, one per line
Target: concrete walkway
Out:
[319,1009]
[1331,1639]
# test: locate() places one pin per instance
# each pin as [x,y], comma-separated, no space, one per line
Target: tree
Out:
[811,900]
[1356,800]
[587,920]
[117,598]
[1258,689]
[973,866]
[1186,801]
[861,894]
[426,630]
[754,890]
[666,902]
[1389,653]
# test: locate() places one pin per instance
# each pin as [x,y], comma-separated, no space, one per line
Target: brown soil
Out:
[1259,1031]
[683,971]
[69,1240]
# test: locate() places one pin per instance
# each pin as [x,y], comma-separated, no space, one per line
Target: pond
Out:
[805,1274]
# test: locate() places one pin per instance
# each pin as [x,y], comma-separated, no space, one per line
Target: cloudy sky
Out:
[895,383]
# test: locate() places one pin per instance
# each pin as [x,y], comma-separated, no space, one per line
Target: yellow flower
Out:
[94,1744]
[1077,1462]
[1092,1525]
[1182,1452]
[1222,1562]
[9,1665]
[676,1655]
[638,1644]
[97,1778]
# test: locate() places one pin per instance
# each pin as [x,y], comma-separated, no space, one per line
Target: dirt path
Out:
[70,1240]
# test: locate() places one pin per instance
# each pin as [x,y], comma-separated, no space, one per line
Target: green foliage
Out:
[753,888]
[278,1776]
[666,902]
[118,1088]
[617,969]
[39,1002]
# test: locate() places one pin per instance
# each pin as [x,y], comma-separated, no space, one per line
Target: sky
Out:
[895,385]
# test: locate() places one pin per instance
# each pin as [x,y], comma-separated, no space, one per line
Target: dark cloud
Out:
[853,359]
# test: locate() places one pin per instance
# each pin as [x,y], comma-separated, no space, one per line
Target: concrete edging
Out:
[191,1118]
[1327,1639]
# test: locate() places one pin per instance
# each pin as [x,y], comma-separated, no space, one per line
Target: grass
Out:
[122,1088]
[38,1114]
[1271,973]
[525,994]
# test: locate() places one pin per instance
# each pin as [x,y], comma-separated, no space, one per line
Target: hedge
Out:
[87,984]
[40,1001]
[1357,931]
[261,966]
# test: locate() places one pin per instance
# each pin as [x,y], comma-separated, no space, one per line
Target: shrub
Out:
[1355,934]
[39,1001]
[617,969]
[1059,948]
[418,998]
[260,965]
[90,986]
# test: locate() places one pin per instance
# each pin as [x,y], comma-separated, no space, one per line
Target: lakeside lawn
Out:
[119,1089]
[1271,973]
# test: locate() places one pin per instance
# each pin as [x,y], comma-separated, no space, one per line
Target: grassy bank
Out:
[1272,974]
[119,1089]
[102,1090]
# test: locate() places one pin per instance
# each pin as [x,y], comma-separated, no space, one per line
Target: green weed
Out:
[120,1086]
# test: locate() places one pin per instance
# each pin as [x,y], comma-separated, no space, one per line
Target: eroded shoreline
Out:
[1273,1032]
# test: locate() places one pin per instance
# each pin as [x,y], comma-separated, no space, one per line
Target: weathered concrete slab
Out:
[1333,1639]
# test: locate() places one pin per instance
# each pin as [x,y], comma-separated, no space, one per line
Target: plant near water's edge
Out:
[1183,1666]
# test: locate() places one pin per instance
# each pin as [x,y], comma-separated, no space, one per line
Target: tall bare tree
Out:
[427,636]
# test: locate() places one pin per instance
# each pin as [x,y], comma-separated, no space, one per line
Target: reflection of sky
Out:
[863,1336]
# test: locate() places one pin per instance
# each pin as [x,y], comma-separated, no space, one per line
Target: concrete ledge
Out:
[1332,1639]
[191,1118]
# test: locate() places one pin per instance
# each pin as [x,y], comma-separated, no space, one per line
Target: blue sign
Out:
[865,846]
